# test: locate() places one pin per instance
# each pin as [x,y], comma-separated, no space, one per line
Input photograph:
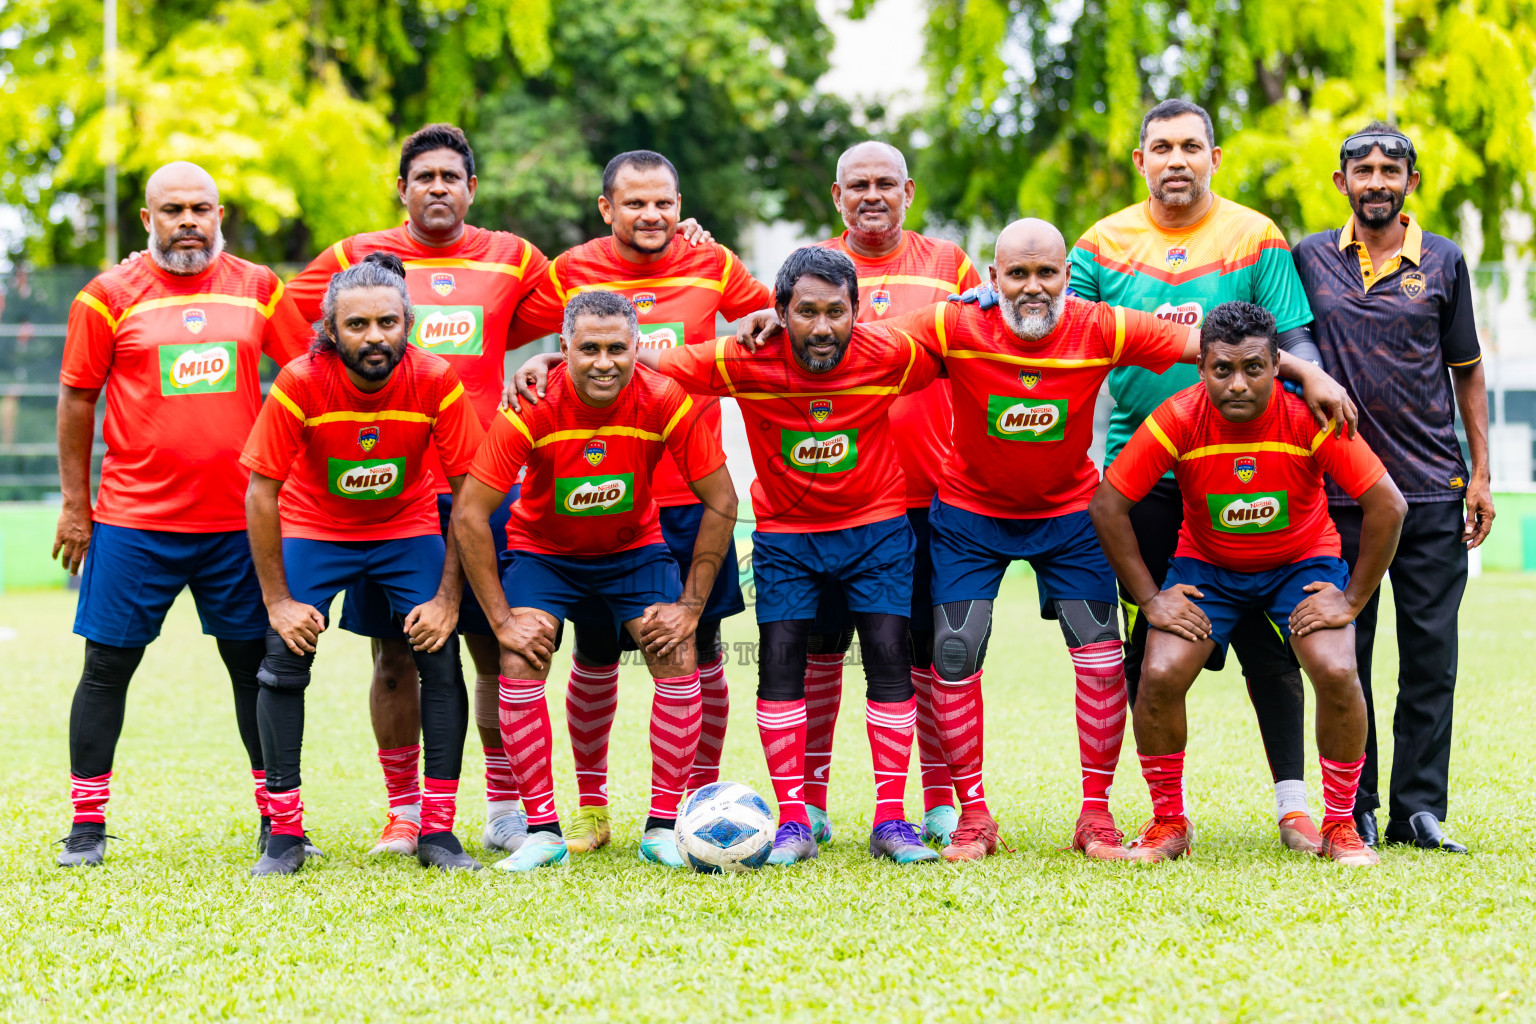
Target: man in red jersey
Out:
[586,532]
[343,460]
[465,284]
[1026,375]
[175,339]
[899,271]
[677,290]
[1249,461]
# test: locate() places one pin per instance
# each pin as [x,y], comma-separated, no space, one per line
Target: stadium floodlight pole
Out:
[109,71]
[1389,19]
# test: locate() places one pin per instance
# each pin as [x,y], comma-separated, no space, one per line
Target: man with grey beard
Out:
[1025,377]
[174,340]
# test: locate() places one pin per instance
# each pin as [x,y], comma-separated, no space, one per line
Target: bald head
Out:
[872,154]
[182,214]
[1030,272]
[872,192]
[1033,236]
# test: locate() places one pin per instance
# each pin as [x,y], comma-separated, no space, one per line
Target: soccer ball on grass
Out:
[725,826]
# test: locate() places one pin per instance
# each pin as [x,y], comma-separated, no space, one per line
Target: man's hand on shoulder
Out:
[530,380]
[757,329]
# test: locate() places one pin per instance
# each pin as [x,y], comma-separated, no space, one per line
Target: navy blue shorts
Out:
[625,584]
[871,565]
[366,609]
[406,571]
[680,530]
[971,552]
[832,615]
[1230,595]
[131,577]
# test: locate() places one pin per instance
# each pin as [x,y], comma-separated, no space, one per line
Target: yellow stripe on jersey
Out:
[726,272]
[871,389]
[1238,449]
[286,402]
[1003,357]
[725,375]
[682,411]
[201,298]
[517,421]
[349,416]
[1119,334]
[651,282]
[911,359]
[965,266]
[454,395]
[1162,438]
[938,323]
[92,302]
[1322,435]
[447,263]
[583,435]
[924,282]
[340,249]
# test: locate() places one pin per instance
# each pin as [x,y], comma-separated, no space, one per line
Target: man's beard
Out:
[651,250]
[1198,187]
[815,365]
[874,239]
[1033,326]
[354,361]
[1375,195]
[186,262]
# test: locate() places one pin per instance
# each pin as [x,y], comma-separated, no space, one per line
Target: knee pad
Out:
[281,669]
[110,666]
[829,643]
[487,702]
[960,633]
[1086,622]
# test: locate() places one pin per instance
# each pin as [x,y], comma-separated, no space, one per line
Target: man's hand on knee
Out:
[1172,611]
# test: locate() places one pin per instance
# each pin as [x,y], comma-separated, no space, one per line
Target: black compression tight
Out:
[883,651]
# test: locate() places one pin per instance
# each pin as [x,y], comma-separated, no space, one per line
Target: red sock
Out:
[437,804]
[90,797]
[1340,781]
[1101,702]
[890,729]
[1165,778]
[401,780]
[823,696]
[957,711]
[287,813]
[500,783]
[591,698]
[781,725]
[526,737]
[676,714]
[716,695]
[259,783]
[938,789]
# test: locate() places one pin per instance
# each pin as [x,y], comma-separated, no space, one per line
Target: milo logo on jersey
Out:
[367,479]
[661,335]
[595,495]
[812,452]
[450,330]
[1026,419]
[198,369]
[1264,512]
[1190,314]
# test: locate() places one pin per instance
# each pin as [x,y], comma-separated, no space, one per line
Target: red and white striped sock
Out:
[676,717]
[591,698]
[500,783]
[957,711]
[938,788]
[438,801]
[287,813]
[890,728]
[781,726]
[259,784]
[402,780]
[716,695]
[1340,781]
[1165,779]
[823,697]
[1101,712]
[90,797]
[529,743]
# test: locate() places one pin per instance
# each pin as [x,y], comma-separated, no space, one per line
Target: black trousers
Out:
[1429,575]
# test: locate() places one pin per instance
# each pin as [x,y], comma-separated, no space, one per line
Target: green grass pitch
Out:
[171,928]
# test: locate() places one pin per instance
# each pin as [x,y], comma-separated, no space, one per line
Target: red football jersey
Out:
[821,442]
[675,298]
[1024,410]
[357,464]
[585,463]
[464,297]
[921,272]
[1253,492]
[178,358]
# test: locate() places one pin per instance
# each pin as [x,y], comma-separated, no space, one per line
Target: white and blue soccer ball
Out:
[725,826]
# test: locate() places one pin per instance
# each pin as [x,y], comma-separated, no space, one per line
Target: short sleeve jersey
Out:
[1233,253]
[1024,410]
[1388,336]
[178,358]
[588,491]
[355,463]
[821,442]
[464,297]
[1253,492]
[920,272]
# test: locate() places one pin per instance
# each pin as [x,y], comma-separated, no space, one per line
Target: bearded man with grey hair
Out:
[174,341]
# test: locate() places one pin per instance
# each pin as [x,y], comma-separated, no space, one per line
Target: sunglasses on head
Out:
[1393,147]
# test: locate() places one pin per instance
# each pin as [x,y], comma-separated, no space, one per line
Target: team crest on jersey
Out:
[1029,378]
[597,450]
[367,437]
[1177,257]
[194,320]
[880,298]
[644,301]
[821,408]
[442,283]
[1245,466]
[1412,284]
